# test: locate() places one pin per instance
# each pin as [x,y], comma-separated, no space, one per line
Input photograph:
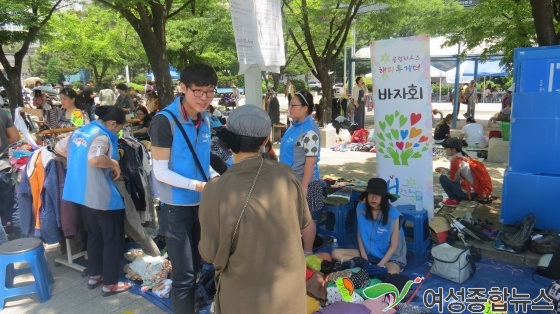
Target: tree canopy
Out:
[27,17]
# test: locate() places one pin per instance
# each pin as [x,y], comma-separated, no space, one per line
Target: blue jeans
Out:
[9,206]
[453,189]
[182,234]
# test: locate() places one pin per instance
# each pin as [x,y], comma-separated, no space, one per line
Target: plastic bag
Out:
[22,127]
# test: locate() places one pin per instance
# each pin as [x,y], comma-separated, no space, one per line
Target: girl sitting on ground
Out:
[380,236]
[442,131]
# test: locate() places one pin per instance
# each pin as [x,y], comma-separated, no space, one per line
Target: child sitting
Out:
[380,236]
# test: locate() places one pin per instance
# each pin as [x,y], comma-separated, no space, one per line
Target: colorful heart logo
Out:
[423,139]
[416,144]
[400,145]
[414,132]
[414,118]
[404,134]
[408,145]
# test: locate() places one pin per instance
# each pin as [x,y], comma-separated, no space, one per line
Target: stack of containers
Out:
[532,179]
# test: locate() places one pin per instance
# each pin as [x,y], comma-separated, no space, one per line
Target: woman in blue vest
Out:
[301,148]
[93,156]
[380,236]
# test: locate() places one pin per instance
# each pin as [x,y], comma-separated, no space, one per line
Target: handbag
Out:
[188,143]
[452,263]
[465,99]
[351,104]
[219,279]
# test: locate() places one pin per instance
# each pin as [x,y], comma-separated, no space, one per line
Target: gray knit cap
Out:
[249,120]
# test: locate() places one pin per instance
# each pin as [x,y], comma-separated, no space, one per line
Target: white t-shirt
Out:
[474,135]
[217,113]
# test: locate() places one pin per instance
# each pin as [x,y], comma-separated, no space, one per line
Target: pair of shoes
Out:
[116,288]
[450,203]
[94,282]
[465,115]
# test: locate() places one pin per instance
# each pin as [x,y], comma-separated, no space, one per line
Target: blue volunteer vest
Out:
[85,184]
[181,160]
[376,237]
[291,147]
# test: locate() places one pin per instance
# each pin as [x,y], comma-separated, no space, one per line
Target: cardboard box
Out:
[439,228]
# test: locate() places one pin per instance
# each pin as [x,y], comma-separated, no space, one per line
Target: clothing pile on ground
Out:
[149,271]
[326,295]
[355,147]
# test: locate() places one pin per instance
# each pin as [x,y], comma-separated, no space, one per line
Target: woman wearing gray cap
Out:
[252,221]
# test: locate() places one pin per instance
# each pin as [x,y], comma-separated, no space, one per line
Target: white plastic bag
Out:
[22,127]
[344,136]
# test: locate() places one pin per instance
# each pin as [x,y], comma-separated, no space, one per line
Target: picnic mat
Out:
[490,274]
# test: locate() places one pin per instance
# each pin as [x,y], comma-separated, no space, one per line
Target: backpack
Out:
[482,181]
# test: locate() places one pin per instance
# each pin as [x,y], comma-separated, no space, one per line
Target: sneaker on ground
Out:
[450,203]
[465,115]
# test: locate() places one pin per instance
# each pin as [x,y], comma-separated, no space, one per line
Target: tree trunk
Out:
[326,87]
[14,89]
[152,35]
[544,22]
[276,78]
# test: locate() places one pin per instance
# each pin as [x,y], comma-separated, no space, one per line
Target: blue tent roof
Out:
[488,68]
[173,71]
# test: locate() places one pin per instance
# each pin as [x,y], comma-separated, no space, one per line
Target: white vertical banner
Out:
[257,26]
[403,118]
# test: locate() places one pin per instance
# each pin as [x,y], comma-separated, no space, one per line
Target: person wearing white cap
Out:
[252,221]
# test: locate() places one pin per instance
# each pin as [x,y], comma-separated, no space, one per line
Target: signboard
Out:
[403,118]
[257,25]
[468,3]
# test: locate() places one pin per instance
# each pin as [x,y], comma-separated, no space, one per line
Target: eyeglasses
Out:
[290,106]
[199,92]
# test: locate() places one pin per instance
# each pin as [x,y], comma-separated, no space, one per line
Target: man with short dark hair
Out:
[9,203]
[180,179]
[124,101]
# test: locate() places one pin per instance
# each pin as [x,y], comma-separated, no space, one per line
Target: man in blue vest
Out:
[180,178]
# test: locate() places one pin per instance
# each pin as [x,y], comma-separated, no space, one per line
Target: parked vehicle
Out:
[314,84]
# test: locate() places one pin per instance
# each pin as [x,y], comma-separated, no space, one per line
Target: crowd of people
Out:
[226,197]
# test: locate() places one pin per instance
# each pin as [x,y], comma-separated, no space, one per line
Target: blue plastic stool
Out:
[345,224]
[420,231]
[31,251]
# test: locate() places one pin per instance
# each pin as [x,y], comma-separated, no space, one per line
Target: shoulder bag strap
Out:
[188,143]
[235,230]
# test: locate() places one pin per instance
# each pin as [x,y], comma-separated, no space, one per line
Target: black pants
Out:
[182,234]
[105,243]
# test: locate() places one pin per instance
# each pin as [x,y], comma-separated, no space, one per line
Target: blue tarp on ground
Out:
[489,273]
